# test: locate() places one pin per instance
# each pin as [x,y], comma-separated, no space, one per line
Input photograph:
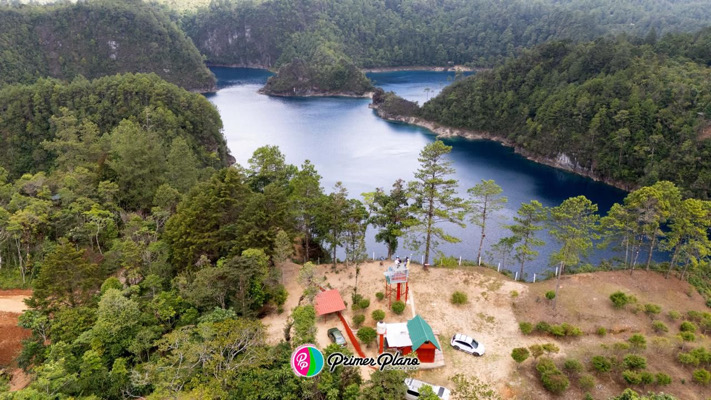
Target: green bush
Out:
[550,295]
[378,315]
[632,377]
[586,382]
[543,327]
[557,330]
[358,320]
[601,331]
[687,326]
[459,298]
[660,327]
[364,303]
[687,336]
[571,330]
[536,350]
[702,376]
[552,378]
[663,379]
[111,283]
[652,309]
[688,359]
[380,296]
[619,299]
[638,341]
[621,347]
[674,315]
[366,335]
[550,348]
[398,307]
[647,378]
[633,361]
[520,354]
[601,364]
[356,298]
[573,366]
[526,327]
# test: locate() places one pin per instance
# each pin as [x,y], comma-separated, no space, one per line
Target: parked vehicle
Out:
[467,344]
[414,385]
[336,336]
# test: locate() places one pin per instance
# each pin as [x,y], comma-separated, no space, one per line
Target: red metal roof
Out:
[329,302]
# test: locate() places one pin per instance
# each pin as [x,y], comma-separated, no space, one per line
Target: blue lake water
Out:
[347,142]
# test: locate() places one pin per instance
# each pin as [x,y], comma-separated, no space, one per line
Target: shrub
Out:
[573,366]
[378,315]
[550,348]
[536,350]
[601,331]
[543,326]
[702,376]
[687,326]
[520,354]
[364,303]
[356,299]
[586,382]
[358,320]
[367,335]
[688,359]
[514,294]
[398,307]
[633,361]
[660,327]
[647,377]
[621,347]
[663,379]
[652,309]
[557,330]
[380,296]
[687,336]
[111,283]
[571,330]
[459,298]
[552,378]
[674,315]
[550,295]
[526,327]
[702,355]
[632,377]
[638,341]
[619,299]
[601,364]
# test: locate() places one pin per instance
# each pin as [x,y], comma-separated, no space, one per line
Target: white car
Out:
[467,344]
[413,389]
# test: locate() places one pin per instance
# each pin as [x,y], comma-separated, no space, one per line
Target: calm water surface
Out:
[347,142]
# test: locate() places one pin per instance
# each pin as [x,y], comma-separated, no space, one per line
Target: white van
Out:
[413,389]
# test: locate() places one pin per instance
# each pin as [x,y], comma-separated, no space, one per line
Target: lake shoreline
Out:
[562,161]
[367,95]
[461,68]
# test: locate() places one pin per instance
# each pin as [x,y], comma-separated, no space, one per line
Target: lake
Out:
[347,142]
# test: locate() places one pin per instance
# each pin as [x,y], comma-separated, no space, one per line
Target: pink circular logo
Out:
[307,361]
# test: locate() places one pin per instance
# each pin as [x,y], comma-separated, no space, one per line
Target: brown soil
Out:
[11,336]
[583,301]
[496,305]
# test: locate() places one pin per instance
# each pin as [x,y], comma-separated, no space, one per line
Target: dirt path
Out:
[11,306]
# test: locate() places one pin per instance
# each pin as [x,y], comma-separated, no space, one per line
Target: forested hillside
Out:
[418,32]
[625,112]
[94,39]
[32,118]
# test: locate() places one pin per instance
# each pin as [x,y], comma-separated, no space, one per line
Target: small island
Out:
[300,78]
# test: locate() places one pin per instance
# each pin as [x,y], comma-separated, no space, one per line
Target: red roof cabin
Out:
[329,302]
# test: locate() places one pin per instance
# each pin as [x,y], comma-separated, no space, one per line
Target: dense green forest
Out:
[625,112]
[101,106]
[422,32]
[96,38]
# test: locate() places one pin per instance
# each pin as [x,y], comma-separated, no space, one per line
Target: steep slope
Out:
[155,104]
[609,108]
[95,39]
